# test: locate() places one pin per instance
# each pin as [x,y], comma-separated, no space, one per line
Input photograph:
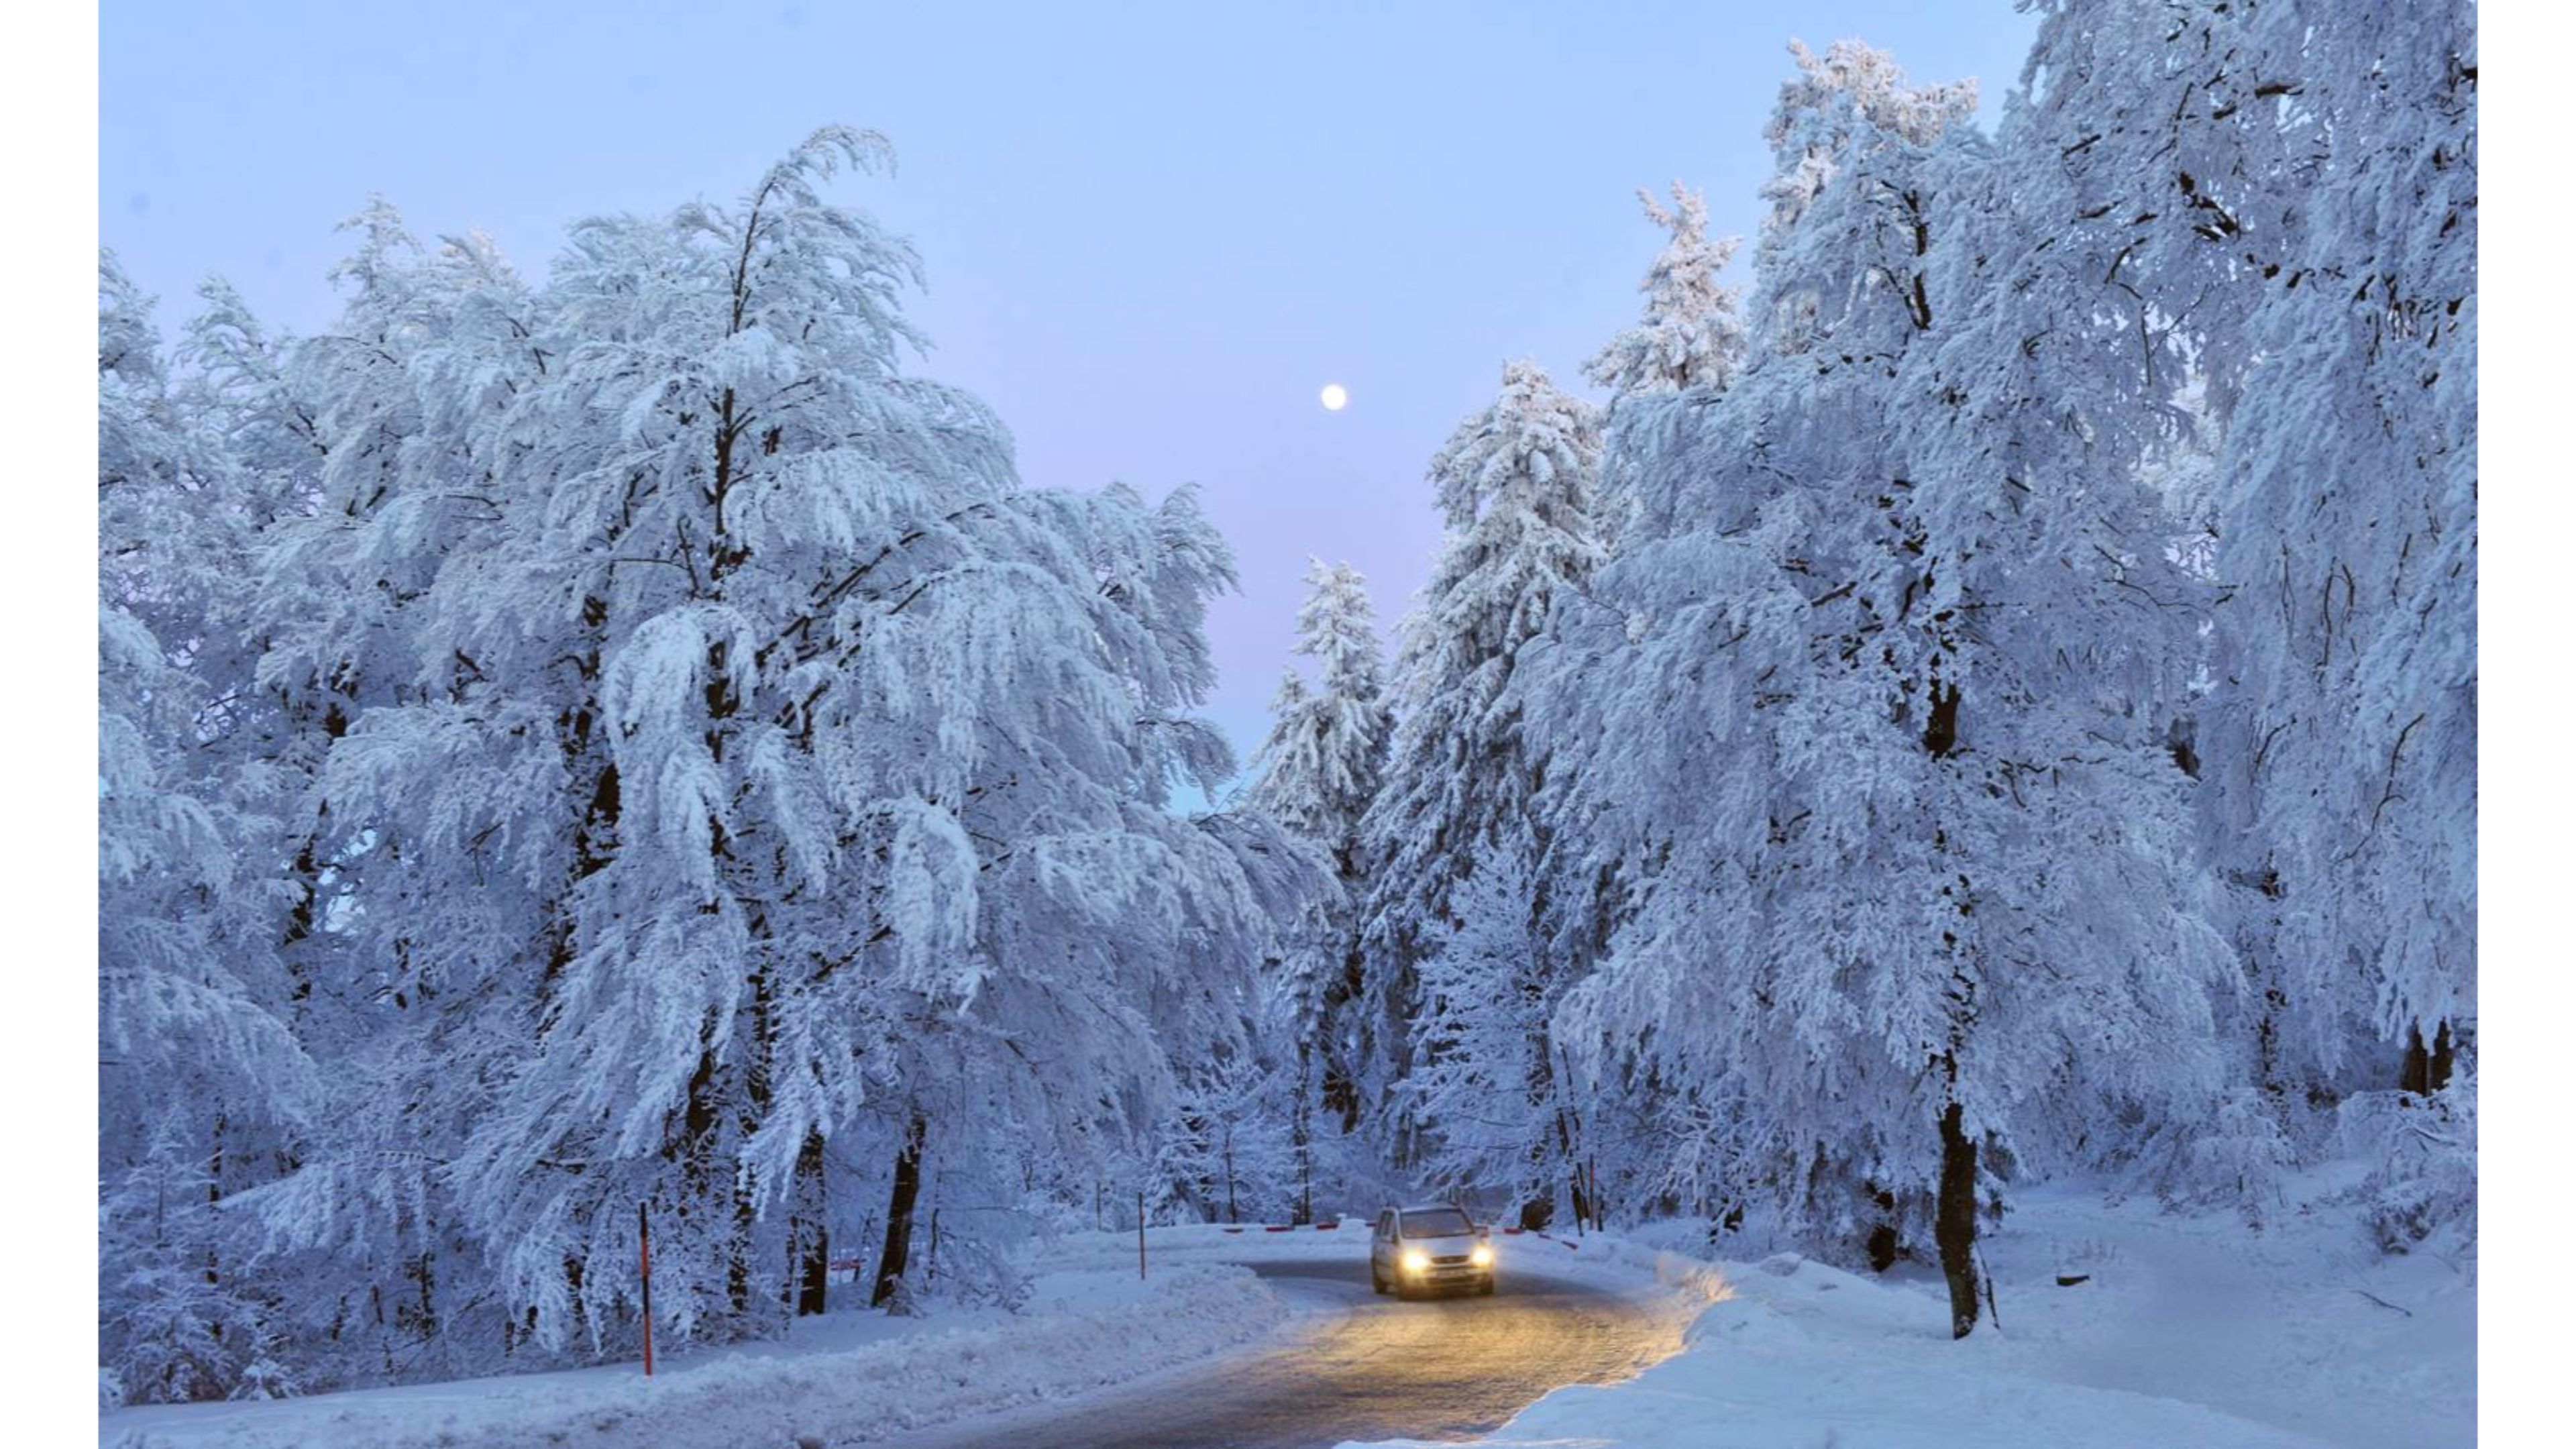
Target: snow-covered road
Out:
[1363,1367]
[1238,1337]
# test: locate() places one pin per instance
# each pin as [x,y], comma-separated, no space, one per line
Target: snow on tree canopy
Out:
[1515,482]
[1690,335]
[717,783]
[628,746]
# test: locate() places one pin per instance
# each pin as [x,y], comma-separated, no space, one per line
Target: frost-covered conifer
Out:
[1317,772]
[1325,755]
[1515,483]
[1691,338]
[1690,335]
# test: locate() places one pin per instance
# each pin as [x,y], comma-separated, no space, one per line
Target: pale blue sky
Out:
[1152,231]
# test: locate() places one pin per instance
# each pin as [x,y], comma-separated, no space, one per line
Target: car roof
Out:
[1433,1207]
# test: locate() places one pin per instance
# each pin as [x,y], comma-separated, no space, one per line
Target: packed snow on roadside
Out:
[845,1379]
[2184,1329]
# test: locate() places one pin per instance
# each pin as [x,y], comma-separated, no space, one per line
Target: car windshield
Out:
[1437,1223]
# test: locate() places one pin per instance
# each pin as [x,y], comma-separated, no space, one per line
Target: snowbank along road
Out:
[1363,1367]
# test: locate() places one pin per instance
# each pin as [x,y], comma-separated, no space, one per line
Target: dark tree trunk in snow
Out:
[898,1238]
[2426,1070]
[1954,1223]
[755,1109]
[1883,1244]
[1302,1138]
[809,1231]
[1341,1085]
[1230,1215]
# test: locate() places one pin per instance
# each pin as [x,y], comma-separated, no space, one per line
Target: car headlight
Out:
[1482,1255]
[1415,1260]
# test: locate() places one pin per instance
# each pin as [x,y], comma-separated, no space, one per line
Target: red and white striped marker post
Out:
[644,1248]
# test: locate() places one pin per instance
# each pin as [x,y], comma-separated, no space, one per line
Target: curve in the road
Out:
[1436,1369]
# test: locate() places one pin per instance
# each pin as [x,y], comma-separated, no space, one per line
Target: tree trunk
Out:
[1569,1139]
[1883,1245]
[1302,1138]
[214,1194]
[1230,1215]
[1954,1223]
[810,1231]
[755,1109]
[2426,1070]
[1538,1196]
[898,1238]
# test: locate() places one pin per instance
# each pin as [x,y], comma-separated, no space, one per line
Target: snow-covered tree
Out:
[1318,770]
[2343,726]
[820,759]
[1325,755]
[2294,194]
[1515,483]
[1885,849]
[1691,339]
[1690,335]
[200,1077]
[698,773]
[2345,719]
[1230,1150]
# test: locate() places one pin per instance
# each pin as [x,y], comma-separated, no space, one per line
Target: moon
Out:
[1334,397]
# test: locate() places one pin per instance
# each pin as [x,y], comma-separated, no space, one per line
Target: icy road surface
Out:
[1361,1367]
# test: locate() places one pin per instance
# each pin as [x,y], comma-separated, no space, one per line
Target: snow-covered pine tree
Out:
[1325,755]
[1691,338]
[1317,772]
[1515,483]
[1691,335]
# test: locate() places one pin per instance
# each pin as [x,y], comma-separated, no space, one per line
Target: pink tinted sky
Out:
[1152,231]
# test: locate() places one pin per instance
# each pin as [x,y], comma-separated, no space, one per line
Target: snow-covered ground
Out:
[845,1378]
[2185,1330]
[1090,1324]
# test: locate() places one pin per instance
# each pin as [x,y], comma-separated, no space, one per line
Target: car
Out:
[1435,1248]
